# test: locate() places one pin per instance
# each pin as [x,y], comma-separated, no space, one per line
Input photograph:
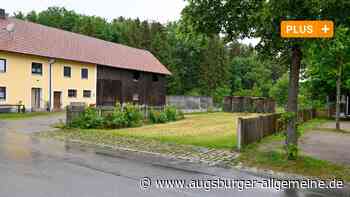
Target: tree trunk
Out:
[292,107]
[337,116]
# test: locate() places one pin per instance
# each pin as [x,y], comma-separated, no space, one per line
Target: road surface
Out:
[30,167]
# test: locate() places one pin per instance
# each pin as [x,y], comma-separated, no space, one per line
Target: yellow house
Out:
[46,68]
[26,79]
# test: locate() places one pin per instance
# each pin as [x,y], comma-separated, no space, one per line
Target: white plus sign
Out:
[325,29]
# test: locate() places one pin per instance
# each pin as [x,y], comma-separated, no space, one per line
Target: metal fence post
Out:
[239,133]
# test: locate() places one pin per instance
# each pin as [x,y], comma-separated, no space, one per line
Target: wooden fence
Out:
[251,130]
[73,111]
[249,104]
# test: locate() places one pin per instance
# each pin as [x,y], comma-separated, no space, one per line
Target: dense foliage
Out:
[124,117]
[201,64]
[169,114]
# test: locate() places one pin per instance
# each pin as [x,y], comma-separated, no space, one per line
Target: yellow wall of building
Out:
[19,80]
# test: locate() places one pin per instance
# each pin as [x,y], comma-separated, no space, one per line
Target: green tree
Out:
[32,17]
[250,76]
[279,91]
[332,57]
[19,15]
[258,18]
[214,68]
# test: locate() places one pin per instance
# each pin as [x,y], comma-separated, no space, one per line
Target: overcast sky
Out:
[157,10]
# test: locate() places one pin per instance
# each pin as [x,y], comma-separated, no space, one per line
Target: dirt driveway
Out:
[31,125]
[328,145]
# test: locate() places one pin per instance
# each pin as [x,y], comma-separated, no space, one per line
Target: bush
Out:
[133,115]
[163,117]
[153,116]
[89,119]
[157,117]
[122,117]
[171,113]
[116,120]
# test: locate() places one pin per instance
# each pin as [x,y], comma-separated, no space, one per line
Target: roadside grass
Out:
[16,116]
[315,123]
[211,130]
[304,165]
[269,154]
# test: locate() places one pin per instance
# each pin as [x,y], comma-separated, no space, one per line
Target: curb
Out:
[111,151]
[157,159]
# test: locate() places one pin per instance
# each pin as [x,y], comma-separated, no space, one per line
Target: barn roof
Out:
[35,39]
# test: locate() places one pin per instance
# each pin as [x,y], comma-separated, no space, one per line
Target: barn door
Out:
[109,92]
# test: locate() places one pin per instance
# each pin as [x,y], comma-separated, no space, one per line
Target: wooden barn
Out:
[120,85]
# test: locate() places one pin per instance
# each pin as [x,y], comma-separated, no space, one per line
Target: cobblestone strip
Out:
[186,152]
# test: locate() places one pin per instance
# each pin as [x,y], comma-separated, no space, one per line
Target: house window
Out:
[67,71]
[155,78]
[72,93]
[37,68]
[84,73]
[136,76]
[87,93]
[2,65]
[2,93]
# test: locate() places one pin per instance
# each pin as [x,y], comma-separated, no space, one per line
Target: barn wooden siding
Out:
[115,84]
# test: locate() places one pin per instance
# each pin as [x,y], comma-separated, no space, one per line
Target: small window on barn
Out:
[37,68]
[72,93]
[136,76]
[155,78]
[67,71]
[135,97]
[87,93]
[2,65]
[2,93]
[84,73]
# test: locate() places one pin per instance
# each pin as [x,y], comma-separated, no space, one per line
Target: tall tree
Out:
[19,15]
[214,66]
[261,18]
[32,16]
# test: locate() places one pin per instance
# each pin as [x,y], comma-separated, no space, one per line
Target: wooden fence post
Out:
[73,111]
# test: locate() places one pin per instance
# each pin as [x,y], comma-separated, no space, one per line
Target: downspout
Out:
[51,62]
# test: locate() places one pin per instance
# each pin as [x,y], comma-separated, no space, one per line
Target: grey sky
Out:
[157,10]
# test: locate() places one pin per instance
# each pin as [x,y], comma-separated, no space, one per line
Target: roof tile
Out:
[35,39]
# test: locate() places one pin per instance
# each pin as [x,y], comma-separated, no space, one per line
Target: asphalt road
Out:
[30,167]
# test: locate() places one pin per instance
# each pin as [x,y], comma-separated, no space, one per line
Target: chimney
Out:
[2,14]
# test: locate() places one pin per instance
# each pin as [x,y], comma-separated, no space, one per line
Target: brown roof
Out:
[35,39]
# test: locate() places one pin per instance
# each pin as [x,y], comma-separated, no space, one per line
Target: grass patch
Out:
[212,130]
[269,154]
[16,116]
[311,125]
[304,165]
